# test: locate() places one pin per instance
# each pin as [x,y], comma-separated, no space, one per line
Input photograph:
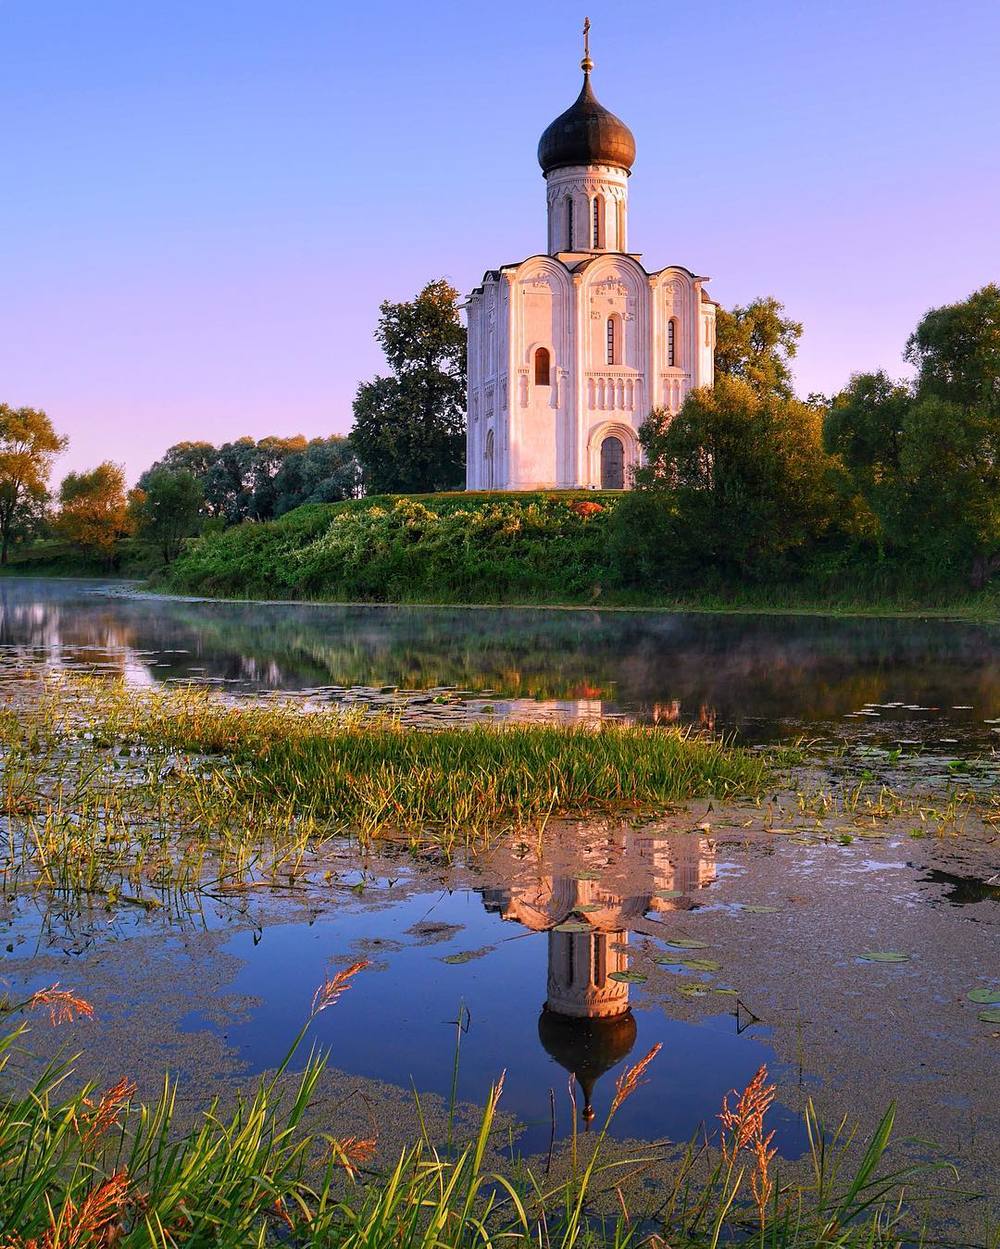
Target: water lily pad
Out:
[990,1016]
[667,894]
[701,964]
[466,956]
[761,910]
[627,977]
[686,943]
[694,990]
[572,925]
[731,992]
[986,997]
[883,956]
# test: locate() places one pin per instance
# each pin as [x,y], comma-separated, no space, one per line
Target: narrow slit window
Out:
[597,222]
[569,224]
[671,343]
[542,365]
[612,343]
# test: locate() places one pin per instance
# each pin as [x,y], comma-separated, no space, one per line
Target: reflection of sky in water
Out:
[765,676]
[539,991]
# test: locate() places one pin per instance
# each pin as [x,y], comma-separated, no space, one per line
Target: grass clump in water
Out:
[106,789]
[375,775]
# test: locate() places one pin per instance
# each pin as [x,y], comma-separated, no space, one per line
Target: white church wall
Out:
[541,397]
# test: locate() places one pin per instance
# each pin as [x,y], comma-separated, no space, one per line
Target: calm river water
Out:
[763,677]
[707,932]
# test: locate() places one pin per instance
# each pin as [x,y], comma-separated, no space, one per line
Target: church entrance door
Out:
[612,464]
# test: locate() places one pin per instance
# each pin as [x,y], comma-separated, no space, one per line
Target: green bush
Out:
[443,548]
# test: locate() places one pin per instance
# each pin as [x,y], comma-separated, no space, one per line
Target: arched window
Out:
[569,223]
[488,456]
[614,341]
[542,367]
[597,221]
[672,342]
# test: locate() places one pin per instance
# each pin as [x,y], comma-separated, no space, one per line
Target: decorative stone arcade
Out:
[570,351]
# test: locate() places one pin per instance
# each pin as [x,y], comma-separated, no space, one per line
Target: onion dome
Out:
[586,1047]
[587,133]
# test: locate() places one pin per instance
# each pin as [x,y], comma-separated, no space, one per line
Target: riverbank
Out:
[553,550]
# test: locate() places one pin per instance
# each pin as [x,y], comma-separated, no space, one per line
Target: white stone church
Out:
[570,351]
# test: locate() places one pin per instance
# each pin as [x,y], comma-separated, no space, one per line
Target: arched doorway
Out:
[488,457]
[612,464]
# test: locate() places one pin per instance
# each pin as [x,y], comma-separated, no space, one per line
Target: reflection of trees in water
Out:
[703,667]
[586,1023]
[53,629]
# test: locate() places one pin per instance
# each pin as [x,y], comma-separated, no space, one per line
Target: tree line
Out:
[194,486]
[750,482]
[746,482]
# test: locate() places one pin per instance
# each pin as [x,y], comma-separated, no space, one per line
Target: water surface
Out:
[766,678]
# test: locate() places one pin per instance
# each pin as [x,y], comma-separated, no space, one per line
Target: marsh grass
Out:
[145,795]
[92,1170]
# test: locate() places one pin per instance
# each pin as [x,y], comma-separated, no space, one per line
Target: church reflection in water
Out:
[586,1023]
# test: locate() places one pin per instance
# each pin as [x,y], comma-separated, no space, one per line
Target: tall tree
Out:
[756,344]
[927,456]
[195,458]
[956,351]
[28,447]
[866,426]
[93,510]
[746,473]
[409,429]
[168,509]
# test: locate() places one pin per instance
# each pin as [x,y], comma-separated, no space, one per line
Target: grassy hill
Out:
[463,547]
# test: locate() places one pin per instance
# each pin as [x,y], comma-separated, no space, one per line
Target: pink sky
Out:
[204,204]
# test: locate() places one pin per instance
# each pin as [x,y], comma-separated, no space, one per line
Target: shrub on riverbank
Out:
[444,548]
[626,549]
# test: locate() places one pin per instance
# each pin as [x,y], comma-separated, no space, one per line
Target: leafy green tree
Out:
[93,510]
[756,344]
[326,471]
[950,473]
[747,474]
[409,429]
[956,351]
[240,482]
[28,446]
[926,457]
[168,509]
[866,426]
[195,458]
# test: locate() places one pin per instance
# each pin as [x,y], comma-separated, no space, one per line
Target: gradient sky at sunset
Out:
[204,201]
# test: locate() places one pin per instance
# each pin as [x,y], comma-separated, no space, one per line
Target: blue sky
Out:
[204,202]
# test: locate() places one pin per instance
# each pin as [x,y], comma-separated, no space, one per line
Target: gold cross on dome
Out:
[586,64]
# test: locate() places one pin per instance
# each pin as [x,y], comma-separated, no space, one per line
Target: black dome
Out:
[586,1047]
[586,134]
